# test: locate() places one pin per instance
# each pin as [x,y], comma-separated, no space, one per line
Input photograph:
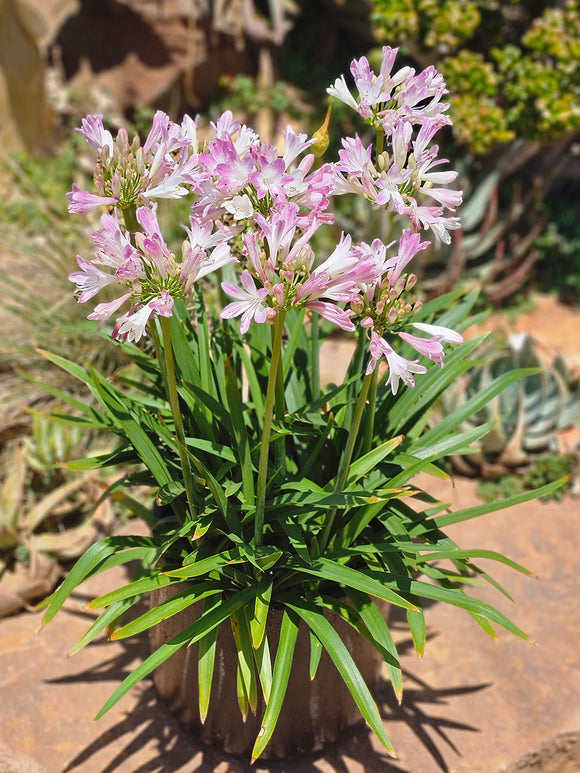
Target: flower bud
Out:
[321,136]
[116,184]
[393,315]
[366,322]
[399,286]
[417,307]
[357,306]
[411,281]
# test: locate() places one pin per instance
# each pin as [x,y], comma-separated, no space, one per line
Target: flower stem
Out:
[370,423]
[346,458]
[268,416]
[173,397]
[130,218]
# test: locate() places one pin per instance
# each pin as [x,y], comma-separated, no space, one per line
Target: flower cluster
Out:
[261,209]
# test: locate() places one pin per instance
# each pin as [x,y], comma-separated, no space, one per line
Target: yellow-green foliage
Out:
[512,68]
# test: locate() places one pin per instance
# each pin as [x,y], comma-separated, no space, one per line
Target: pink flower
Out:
[90,280]
[332,313]
[95,134]
[428,347]
[399,367]
[270,178]
[81,202]
[444,333]
[131,327]
[103,311]
[162,305]
[409,245]
[250,304]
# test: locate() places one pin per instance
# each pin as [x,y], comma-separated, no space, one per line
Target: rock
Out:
[24,115]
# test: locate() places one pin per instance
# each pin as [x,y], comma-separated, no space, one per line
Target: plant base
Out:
[314,713]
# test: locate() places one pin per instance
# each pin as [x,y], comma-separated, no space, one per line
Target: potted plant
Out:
[286,509]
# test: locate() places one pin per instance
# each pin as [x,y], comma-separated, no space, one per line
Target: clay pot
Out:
[313,715]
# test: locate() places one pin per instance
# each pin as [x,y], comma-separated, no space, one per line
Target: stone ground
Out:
[472,704]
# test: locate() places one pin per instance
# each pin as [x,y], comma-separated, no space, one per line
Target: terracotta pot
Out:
[314,713]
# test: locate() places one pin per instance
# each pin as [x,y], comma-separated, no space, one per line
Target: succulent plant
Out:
[526,416]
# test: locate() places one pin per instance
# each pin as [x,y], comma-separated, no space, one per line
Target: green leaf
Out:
[261,608]
[369,461]
[469,408]
[243,640]
[168,608]
[381,637]
[315,654]
[352,578]
[416,620]
[240,432]
[136,588]
[448,519]
[264,666]
[206,565]
[280,676]
[92,561]
[106,620]
[206,658]
[116,405]
[193,633]
[346,666]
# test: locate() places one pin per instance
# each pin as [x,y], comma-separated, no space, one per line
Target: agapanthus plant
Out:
[280,492]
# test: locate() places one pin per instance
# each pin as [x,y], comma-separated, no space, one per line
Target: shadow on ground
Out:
[170,747]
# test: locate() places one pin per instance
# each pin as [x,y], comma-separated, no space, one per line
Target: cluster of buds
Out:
[127,174]
[260,209]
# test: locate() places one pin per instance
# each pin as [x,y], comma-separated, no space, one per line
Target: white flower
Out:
[240,207]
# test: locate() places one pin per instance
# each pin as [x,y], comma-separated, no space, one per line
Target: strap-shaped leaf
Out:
[135,588]
[168,608]
[261,608]
[193,633]
[416,620]
[246,671]
[92,561]
[470,407]
[381,636]
[353,578]
[206,565]
[369,461]
[346,666]
[240,432]
[206,658]
[315,654]
[264,666]
[441,521]
[282,667]
[106,620]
